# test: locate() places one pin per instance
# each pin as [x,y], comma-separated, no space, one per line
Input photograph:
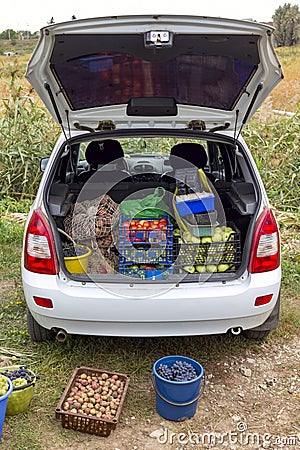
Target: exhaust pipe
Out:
[236,331]
[61,336]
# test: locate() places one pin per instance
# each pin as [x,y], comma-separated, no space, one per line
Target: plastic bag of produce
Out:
[151,206]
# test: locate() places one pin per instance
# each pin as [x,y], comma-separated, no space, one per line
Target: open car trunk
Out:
[168,239]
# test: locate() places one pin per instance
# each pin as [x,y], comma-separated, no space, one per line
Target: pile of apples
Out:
[139,230]
[221,235]
[146,224]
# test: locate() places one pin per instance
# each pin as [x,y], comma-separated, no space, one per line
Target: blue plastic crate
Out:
[145,246]
[161,273]
[129,255]
[199,205]
[129,235]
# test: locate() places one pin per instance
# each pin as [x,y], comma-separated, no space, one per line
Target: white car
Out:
[158,98]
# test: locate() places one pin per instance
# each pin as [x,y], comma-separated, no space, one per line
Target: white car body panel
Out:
[186,309]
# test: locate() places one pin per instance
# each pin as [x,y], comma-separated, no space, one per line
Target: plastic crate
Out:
[139,235]
[209,253]
[146,255]
[145,246]
[201,224]
[161,273]
[89,423]
[199,205]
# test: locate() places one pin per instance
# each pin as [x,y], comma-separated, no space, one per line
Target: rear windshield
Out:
[194,72]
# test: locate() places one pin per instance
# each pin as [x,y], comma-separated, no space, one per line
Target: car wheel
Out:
[254,334]
[36,331]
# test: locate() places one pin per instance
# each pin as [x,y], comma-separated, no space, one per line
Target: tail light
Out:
[265,254]
[39,249]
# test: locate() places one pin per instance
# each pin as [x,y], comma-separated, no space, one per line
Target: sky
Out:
[32,15]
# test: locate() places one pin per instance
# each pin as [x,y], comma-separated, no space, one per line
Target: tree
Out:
[286,21]
[9,34]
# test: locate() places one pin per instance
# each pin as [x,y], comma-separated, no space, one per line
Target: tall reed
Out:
[27,133]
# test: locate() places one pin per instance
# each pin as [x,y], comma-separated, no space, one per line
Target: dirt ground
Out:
[249,402]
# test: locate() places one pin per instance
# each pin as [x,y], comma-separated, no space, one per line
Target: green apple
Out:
[189,269]
[206,240]
[223,267]
[211,268]
[218,230]
[200,269]
[226,235]
[195,240]
[217,237]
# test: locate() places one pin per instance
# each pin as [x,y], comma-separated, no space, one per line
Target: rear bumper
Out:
[151,310]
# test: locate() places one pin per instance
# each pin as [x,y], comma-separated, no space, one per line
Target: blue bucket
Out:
[177,400]
[3,404]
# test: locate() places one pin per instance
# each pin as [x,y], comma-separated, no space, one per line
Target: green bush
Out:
[12,205]
[10,232]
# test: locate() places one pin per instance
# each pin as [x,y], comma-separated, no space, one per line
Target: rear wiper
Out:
[257,91]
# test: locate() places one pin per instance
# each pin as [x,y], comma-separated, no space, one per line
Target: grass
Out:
[286,96]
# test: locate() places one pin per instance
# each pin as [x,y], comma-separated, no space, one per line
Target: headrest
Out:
[185,154]
[103,152]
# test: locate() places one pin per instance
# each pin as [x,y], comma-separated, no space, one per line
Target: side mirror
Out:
[43,163]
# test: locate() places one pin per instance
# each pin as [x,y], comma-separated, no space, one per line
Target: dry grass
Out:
[286,96]
[12,73]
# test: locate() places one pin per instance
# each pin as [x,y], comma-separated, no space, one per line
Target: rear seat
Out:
[119,187]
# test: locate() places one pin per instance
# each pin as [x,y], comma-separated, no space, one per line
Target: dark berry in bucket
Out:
[71,250]
[179,371]
[19,377]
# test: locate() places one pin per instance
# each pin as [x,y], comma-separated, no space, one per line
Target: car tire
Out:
[36,331]
[253,334]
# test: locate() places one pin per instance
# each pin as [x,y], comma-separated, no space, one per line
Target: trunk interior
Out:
[148,214]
